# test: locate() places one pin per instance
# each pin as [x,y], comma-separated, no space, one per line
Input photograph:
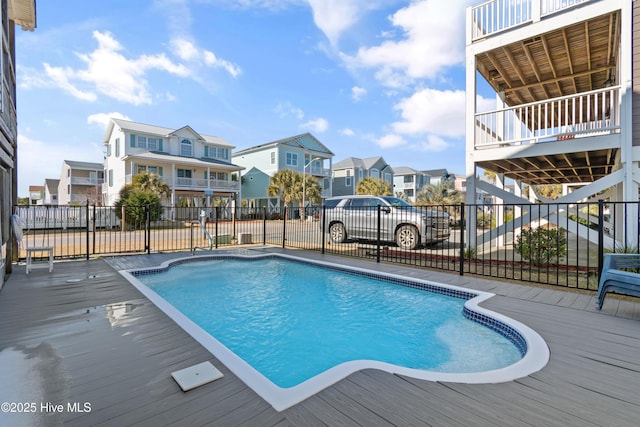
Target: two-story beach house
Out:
[23,14]
[196,167]
[564,74]
[80,183]
[408,182]
[51,191]
[348,172]
[36,194]
[303,153]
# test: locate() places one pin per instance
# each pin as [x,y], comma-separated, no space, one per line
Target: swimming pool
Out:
[347,319]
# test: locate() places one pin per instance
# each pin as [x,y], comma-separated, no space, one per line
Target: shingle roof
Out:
[127,125]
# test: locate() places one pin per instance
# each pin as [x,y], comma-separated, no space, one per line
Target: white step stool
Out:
[34,249]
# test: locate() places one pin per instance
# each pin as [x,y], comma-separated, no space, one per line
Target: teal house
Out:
[303,153]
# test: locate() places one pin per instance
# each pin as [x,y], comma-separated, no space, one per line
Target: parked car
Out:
[356,217]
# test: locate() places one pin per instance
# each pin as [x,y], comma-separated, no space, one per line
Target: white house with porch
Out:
[563,75]
[196,167]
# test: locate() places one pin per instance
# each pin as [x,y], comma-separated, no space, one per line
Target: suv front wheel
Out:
[408,237]
[337,232]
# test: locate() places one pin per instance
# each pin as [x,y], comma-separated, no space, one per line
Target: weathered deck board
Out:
[99,340]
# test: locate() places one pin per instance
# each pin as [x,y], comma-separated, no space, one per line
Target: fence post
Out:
[147,231]
[600,237]
[94,229]
[216,223]
[462,231]
[284,226]
[324,224]
[264,226]
[378,236]
[87,227]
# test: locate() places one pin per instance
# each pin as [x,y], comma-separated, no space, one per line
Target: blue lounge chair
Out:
[620,274]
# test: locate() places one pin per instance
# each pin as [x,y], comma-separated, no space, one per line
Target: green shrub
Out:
[134,204]
[485,219]
[541,245]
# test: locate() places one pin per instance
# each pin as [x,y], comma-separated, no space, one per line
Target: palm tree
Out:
[374,187]
[287,184]
[440,193]
[152,182]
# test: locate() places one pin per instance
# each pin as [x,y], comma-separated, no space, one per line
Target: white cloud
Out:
[433,40]
[334,16]
[432,143]
[188,51]
[347,132]
[390,141]
[43,160]
[286,109]
[110,73]
[431,111]
[318,125]
[102,119]
[357,93]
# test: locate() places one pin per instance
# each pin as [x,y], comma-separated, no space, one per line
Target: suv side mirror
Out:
[385,209]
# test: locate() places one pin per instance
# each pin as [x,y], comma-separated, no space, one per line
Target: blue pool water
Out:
[292,321]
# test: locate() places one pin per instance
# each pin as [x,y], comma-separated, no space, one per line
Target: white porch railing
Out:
[197,184]
[85,180]
[585,114]
[495,16]
[202,184]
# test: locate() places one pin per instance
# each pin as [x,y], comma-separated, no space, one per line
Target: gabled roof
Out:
[436,173]
[405,170]
[160,131]
[84,165]
[355,162]
[52,185]
[305,141]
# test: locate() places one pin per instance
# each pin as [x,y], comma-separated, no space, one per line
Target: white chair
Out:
[30,251]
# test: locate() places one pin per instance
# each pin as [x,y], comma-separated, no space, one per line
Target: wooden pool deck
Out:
[84,338]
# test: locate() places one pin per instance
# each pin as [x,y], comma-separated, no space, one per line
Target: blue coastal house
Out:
[348,172]
[302,153]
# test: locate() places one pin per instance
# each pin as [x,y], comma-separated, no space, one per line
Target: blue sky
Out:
[366,77]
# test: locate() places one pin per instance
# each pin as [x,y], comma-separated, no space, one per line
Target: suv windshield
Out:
[394,201]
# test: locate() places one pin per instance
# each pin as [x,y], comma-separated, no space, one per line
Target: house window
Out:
[152,143]
[142,141]
[184,173]
[186,149]
[109,150]
[110,177]
[223,153]
[374,173]
[273,157]
[117,147]
[387,177]
[292,159]
[347,180]
[360,173]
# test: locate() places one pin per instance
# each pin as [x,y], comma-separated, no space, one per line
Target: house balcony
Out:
[565,118]
[85,180]
[496,16]
[197,184]
[201,184]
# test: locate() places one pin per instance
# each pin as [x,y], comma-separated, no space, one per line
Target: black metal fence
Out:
[557,243]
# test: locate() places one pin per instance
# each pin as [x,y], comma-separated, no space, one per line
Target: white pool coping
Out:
[535,359]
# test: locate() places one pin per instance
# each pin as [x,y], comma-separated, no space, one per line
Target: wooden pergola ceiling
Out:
[577,58]
[565,168]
